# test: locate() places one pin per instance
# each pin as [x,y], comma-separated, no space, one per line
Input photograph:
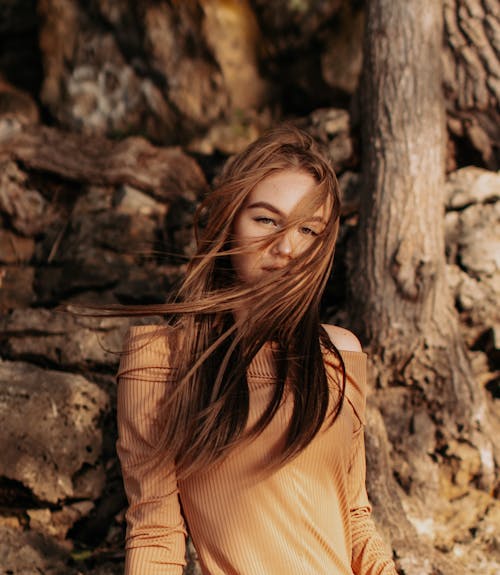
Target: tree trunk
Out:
[472,76]
[402,306]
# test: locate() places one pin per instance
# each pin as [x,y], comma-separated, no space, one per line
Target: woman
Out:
[241,420]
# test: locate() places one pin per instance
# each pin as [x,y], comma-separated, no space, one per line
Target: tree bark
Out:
[405,310]
[472,75]
[401,303]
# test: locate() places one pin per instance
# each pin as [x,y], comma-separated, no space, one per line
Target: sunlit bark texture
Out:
[472,76]
[401,301]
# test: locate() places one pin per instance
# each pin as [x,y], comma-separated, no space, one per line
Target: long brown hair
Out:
[208,405]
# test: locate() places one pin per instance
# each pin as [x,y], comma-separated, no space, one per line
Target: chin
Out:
[250,279]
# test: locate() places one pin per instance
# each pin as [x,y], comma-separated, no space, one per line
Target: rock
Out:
[147,284]
[288,26]
[233,134]
[179,228]
[17,109]
[480,252]
[100,270]
[452,235]
[112,230]
[331,126]
[150,71]
[88,85]
[131,201]
[95,199]
[10,521]
[19,58]
[177,48]
[487,529]
[350,186]
[109,242]
[63,340]
[90,480]
[64,410]
[16,287]
[192,566]
[342,57]
[473,252]
[14,248]
[458,520]
[29,552]
[57,523]
[233,34]
[480,366]
[471,294]
[490,341]
[25,209]
[17,103]
[465,467]
[472,185]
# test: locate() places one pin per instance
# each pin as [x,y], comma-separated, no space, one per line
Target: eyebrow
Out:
[278,212]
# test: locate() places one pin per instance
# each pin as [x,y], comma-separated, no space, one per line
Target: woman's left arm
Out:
[370,555]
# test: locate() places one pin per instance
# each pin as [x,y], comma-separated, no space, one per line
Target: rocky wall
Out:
[64,241]
[92,212]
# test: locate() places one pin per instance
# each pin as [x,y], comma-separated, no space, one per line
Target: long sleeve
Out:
[370,555]
[155,540]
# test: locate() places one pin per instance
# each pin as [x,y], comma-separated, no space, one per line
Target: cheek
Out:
[244,263]
[247,262]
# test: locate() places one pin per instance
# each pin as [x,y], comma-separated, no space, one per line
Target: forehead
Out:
[289,191]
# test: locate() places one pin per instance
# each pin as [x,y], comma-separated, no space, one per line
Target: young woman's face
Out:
[268,209]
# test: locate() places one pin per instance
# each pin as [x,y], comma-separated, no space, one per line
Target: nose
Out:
[283,246]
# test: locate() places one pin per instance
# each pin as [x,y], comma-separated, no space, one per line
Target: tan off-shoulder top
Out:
[311,517]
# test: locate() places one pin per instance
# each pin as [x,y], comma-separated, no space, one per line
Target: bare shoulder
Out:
[342,338]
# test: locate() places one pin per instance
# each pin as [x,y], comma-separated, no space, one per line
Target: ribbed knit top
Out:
[310,517]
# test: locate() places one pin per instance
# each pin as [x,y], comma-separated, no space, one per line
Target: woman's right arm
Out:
[155,540]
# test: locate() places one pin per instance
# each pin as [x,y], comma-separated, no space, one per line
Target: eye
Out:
[308,231]
[264,220]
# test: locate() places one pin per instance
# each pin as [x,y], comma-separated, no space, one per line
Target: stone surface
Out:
[172,85]
[30,553]
[332,127]
[57,523]
[64,434]
[472,185]
[98,270]
[130,201]
[291,25]
[479,242]
[350,187]
[233,34]
[14,248]
[16,287]
[210,77]
[24,208]
[342,57]
[63,340]
[468,530]
[232,134]
[473,248]
[17,108]
[88,85]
